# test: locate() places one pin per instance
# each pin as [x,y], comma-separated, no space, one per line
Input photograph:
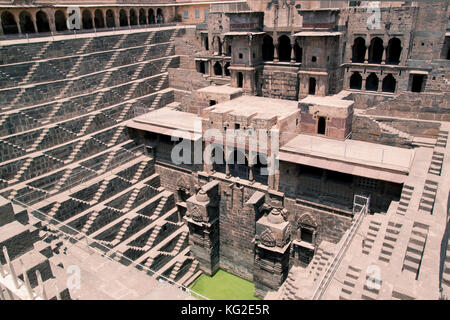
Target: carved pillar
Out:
[202,217]
[292,50]
[363,82]
[116,18]
[273,241]
[275,52]
[383,59]
[366,56]
[251,173]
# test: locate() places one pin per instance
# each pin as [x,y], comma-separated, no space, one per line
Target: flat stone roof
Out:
[265,108]
[354,157]
[226,89]
[317,34]
[327,101]
[168,121]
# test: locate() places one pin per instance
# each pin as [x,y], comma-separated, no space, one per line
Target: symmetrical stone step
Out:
[175,270]
[442,139]
[90,221]
[426,203]
[390,238]
[180,242]
[437,161]
[152,237]
[122,230]
[131,199]
[348,286]
[414,251]
[405,198]
[374,227]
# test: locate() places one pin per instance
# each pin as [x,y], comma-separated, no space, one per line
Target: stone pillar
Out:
[383,59]
[292,50]
[366,57]
[227,167]
[116,18]
[380,83]
[275,52]
[251,173]
[33,18]
[363,82]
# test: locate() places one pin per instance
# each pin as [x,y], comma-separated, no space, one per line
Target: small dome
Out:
[275,216]
[202,196]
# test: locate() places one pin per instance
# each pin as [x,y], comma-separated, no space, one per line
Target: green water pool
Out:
[224,286]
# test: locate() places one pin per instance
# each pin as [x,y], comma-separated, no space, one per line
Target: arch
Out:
[201,67]
[26,23]
[448,54]
[110,19]
[240,80]
[267,238]
[217,69]
[123,18]
[159,16]
[356,81]
[284,48]
[206,43]
[238,164]
[359,50]
[60,21]
[219,166]
[217,45]
[393,51]
[226,69]
[99,21]
[133,17]
[87,19]
[376,50]
[307,219]
[267,48]
[151,16]
[227,46]
[389,83]
[372,82]
[298,52]
[257,169]
[142,17]
[42,22]
[312,86]
[321,125]
[9,24]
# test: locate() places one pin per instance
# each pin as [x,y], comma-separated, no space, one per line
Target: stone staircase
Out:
[160,206]
[55,209]
[405,198]
[389,241]
[41,137]
[175,270]
[131,199]
[414,251]
[122,230]
[152,237]
[180,242]
[138,172]
[319,263]
[428,198]
[442,139]
[100,190]
[86,125]
[75,150]
[437,160]
[446,271]
[290,289]
[30,73]
[374,227]
[90,221]
[350,281]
